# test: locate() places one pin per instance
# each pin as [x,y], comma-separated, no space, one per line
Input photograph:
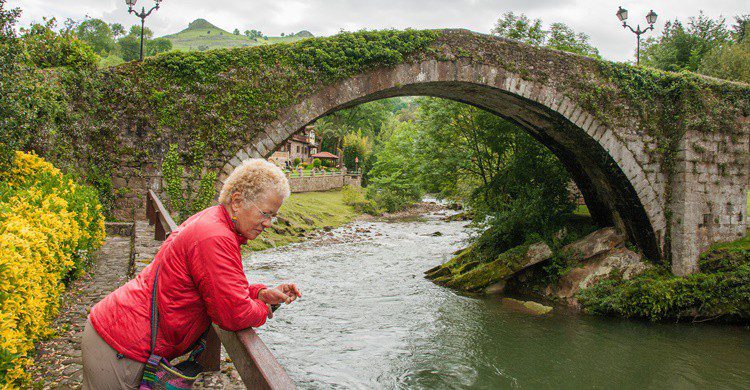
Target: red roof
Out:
[324,155]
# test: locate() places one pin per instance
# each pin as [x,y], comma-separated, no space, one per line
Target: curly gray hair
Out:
[253,178]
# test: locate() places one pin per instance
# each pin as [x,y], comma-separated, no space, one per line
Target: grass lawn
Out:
[304,212]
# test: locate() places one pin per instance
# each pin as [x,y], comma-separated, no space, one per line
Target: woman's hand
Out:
[283,293]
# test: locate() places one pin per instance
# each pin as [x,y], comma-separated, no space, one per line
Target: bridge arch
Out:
[622,186]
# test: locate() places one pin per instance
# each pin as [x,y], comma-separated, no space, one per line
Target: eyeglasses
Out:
[266,215]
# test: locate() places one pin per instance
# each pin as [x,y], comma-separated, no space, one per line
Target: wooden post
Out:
[211,357]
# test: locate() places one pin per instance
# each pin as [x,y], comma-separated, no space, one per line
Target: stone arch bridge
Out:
[664,157]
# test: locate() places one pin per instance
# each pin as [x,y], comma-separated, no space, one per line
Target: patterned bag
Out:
[159,373]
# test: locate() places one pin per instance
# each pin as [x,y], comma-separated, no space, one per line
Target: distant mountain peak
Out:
[201,24]
[304,34]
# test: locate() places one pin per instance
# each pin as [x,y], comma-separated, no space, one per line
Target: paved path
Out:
[58,361]
[145,246]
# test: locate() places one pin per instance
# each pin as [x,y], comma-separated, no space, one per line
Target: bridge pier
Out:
[709,194]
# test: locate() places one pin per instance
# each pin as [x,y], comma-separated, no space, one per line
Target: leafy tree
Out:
[740,29]
[129,47]
[367,118]
[135,30]
[253,34]
[10,46]
[731,62]
[393,183]
[156,46]
[559,36]
[562,37]
[453,146]
[46,48]
[236,31]
[683,47]
[520,28]
[97,34]
[117,30]
[356,146]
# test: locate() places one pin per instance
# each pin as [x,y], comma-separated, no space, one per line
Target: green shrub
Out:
[720,291]
[297,161]
[317,163]
[391,200]
[355,196]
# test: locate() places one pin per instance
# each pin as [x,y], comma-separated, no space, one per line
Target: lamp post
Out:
[622,14]
[143,15]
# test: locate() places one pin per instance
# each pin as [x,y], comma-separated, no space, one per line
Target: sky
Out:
[595,18]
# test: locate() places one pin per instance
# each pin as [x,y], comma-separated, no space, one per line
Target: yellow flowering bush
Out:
[48,227]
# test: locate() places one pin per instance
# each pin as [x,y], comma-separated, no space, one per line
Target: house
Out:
[301,145]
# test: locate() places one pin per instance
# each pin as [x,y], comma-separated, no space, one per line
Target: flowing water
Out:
[368,319]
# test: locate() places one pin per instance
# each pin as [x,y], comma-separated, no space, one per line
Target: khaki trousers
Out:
[102,369]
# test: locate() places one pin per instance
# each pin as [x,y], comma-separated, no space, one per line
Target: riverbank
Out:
[303,215]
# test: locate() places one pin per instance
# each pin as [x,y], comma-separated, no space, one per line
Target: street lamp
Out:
[143,14]
[622,14]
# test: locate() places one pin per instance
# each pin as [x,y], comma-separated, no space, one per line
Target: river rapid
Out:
[368,319]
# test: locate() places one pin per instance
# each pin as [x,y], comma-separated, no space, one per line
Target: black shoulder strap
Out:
[154,313]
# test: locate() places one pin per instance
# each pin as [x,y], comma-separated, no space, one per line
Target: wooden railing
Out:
[255,363]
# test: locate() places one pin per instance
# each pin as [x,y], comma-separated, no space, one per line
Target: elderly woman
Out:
[200,280]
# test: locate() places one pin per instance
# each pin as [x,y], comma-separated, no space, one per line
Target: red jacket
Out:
[201,280]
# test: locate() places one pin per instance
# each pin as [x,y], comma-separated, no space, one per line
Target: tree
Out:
[10,46]
[117,30]
[366,118]
[135,30]
[158,45]
[559,36]
[97,34]
[740,29]
[129,47]
[356,146]
[562,37]
[730,61]
[683,48]
[236,31]
[520,28]
[46,48]
[394,177]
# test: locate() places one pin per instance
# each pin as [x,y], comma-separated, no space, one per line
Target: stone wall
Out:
[323,183]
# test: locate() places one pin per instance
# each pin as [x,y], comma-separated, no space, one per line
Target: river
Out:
[368,319]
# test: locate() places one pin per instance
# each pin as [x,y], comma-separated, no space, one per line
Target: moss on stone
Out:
[720,292]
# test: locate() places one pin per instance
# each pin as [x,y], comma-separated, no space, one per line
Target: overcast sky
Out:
[326,17]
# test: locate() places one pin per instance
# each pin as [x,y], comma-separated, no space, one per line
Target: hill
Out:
[202,35]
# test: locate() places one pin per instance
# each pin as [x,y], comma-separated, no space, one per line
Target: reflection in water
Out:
[368,319]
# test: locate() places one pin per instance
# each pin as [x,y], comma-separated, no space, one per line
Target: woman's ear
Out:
[235,202]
